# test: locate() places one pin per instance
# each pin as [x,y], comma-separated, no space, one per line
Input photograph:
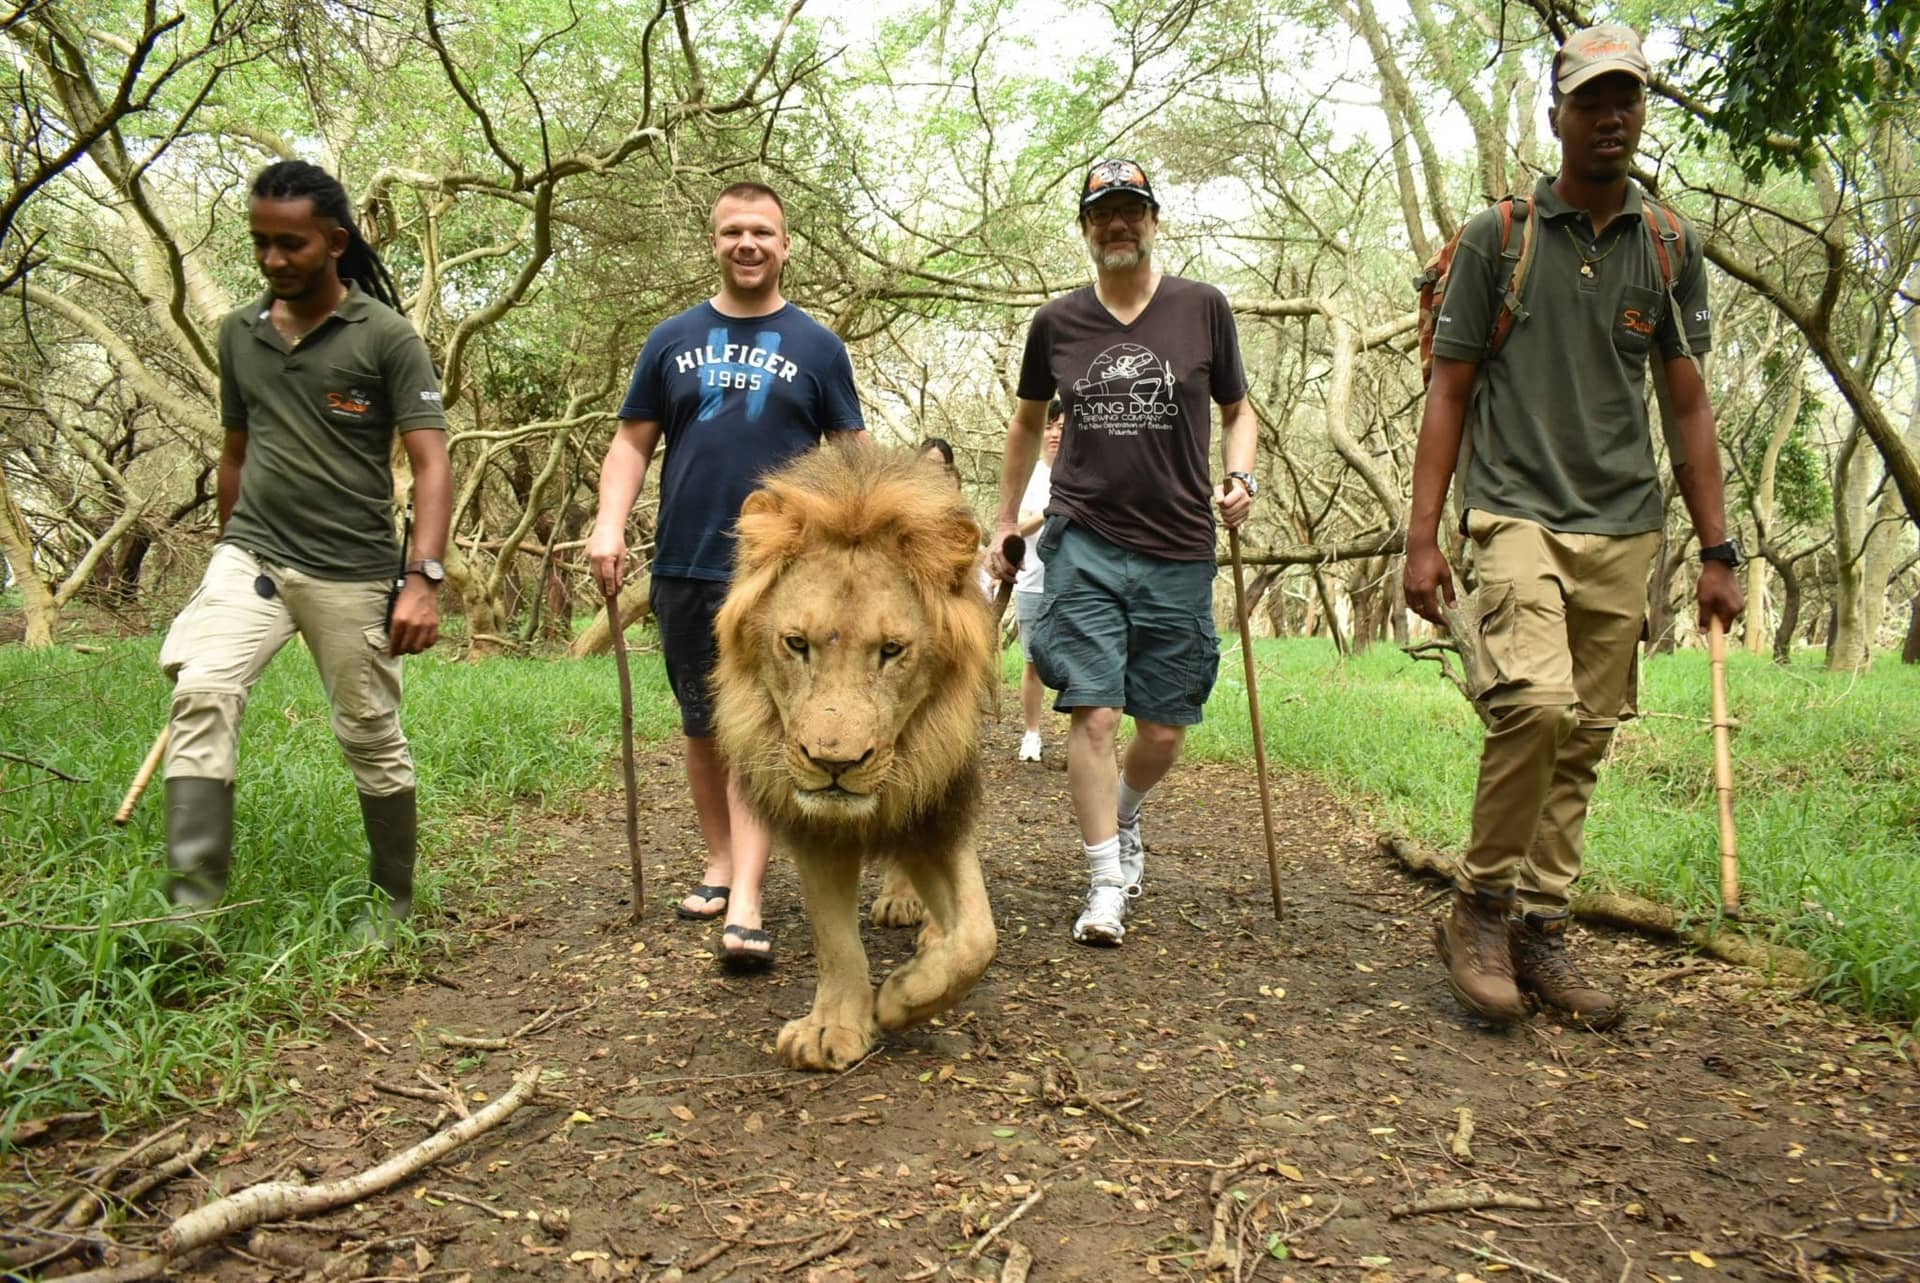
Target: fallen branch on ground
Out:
[813,1254]
[1224,1256]
[1001,1226]
[538,1024]
[1467,1200]
[1487,1251]
[1634,914]
[281,1200]
[1461,1146]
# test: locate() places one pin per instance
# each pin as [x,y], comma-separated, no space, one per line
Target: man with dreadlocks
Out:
[317,375]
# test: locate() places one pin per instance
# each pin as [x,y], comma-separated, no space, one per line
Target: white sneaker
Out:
[1133,856]
[1104,921]
[1030,746]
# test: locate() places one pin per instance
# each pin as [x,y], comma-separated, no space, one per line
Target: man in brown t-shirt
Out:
[1125,624]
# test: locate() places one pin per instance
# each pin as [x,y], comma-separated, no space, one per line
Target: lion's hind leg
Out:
[840,1029]
[954,948]
[898,904]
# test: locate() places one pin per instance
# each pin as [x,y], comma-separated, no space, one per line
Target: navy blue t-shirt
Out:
[735,398]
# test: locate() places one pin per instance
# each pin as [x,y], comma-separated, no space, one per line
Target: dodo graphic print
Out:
[1127,388]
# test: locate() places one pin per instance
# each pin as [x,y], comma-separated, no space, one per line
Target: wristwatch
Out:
[1728,552]
[1246,479]
[430,570]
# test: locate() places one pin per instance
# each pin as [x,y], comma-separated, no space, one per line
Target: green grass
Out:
[1826,796]
[1826,788]
[113,1016]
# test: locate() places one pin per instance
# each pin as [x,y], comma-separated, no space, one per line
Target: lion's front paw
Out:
[813,1042]
[927,984]
[896,909]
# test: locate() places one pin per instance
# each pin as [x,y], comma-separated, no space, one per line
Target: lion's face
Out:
[846,664]
[853,643]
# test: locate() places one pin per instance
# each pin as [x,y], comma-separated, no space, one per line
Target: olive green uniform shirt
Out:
[1557,431]
[316,491]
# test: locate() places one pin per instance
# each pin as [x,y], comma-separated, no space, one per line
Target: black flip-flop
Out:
[742,960]
[705,892]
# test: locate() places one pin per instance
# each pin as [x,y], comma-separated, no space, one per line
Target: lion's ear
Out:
[767,530]
[949,547]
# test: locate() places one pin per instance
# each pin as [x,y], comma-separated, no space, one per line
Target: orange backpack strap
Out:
[1513,209]
[1669,241]
[1669,238]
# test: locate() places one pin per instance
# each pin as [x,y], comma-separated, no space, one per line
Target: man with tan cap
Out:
[1125,625]
[1562,508]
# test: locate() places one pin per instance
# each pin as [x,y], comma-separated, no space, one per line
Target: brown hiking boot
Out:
[1472,942]
[1542,967]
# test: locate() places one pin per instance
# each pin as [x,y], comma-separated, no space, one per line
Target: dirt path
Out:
[1287,1086]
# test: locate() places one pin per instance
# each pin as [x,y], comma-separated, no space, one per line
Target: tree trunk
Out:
[1786,414]
[1789,612]
[1910,653]
[1257,590]
[35,598]
[1662,624]
[1847,641]
[1362,593]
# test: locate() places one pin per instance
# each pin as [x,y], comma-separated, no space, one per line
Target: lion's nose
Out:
[834,762]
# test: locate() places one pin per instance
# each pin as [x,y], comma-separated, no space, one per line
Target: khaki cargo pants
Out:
[1561,620]
[222,640]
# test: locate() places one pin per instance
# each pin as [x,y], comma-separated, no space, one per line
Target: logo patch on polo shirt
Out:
[355,403]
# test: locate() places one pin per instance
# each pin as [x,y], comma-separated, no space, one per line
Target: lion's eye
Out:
[891,650]
[796,643]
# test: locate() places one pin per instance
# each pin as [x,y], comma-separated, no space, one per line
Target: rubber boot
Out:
[199,840]
[393,829]
[1472,941]
[1543,968]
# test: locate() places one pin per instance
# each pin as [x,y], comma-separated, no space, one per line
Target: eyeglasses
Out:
[1132,211]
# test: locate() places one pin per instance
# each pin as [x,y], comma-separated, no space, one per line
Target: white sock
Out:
[1130,800]
[1103,862]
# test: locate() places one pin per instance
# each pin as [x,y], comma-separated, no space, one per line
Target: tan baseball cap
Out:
[1596,51]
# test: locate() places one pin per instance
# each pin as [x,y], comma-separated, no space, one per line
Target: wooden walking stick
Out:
[142,777]
[1253,714]
[1015,552]
[626,751]
[1723,769]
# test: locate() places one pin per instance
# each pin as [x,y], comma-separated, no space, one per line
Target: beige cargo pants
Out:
[1561,618]
[222,640]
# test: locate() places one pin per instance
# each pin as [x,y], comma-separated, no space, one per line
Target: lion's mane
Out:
[861,497]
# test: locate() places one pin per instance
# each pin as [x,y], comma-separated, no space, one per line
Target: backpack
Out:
[1433,282]
[1664,229]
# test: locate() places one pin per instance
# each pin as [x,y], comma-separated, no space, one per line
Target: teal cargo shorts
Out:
[1120,629]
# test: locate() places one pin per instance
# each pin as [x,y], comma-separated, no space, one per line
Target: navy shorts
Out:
[685,610]
[1121,629]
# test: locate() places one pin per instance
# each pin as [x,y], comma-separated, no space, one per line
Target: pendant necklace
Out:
[1587,263]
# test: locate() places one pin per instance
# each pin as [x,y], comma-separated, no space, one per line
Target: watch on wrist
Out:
[430,570]
[1246,479]
[1728,552]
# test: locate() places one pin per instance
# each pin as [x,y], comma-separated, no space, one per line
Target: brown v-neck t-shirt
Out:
[1132,465]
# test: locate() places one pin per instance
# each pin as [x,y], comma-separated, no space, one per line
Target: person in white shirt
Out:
[1027,585]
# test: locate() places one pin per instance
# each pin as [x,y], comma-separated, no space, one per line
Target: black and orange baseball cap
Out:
[1597,51]
[1117,178]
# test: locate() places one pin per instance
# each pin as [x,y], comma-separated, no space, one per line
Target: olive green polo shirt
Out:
[316,492]
[1558,425]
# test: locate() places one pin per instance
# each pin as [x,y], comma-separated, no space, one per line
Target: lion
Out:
[852,648]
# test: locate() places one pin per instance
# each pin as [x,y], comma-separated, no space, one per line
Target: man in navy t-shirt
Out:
[737,386]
